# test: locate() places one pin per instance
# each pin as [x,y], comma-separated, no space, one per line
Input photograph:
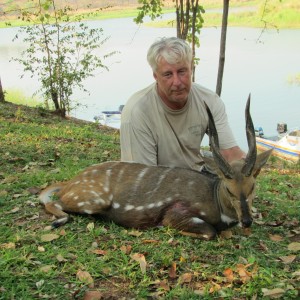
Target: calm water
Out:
[261,68]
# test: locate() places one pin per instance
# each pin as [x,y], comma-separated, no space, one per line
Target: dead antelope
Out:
[140,196]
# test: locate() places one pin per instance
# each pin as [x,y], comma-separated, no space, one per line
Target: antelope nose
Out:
[247,222]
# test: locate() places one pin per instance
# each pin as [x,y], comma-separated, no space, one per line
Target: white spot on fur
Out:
[110,197]
[77,182]
[169,199]
[99,201]
[151,205]
[158,204]
[197,220]
[191,183]
[88,211]
[79,204]
[76,197]
[227,219]
[116,205]
[141,207]
[202,213]
[58,206]
[129,207]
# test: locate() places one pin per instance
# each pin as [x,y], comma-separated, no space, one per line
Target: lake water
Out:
[261,68]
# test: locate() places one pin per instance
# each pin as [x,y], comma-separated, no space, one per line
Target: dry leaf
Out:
[46,268]
[274,293]
[185,278]
[85,277]
[60,258]
[275,237]
[99,251]
[40,283]
[150,241]
[8,246]
[90,227]
[14,210]
[135,233]
[294,246]
[49,237]
[92,295]
[288,259]
[226,234]
[126,249]
[140,258]
[41,249]
[228,274]
[243,273]
[172,271]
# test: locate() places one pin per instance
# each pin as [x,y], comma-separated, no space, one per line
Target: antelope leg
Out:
[188,222]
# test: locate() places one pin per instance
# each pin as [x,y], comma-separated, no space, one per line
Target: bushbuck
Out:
[140,196]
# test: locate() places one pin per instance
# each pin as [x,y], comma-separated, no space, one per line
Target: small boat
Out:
[285,145]
[111,118]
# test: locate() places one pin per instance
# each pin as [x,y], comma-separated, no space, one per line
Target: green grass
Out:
[38,148]
[278,14]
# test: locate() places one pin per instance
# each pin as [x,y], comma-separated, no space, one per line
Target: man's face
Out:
[173,83]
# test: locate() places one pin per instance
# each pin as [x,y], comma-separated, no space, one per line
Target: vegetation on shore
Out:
[92,259]
[271,13]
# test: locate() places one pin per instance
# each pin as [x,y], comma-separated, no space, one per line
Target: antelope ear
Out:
[260,162]
[211,166]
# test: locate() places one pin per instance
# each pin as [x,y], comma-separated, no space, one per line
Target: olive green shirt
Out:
[153,134]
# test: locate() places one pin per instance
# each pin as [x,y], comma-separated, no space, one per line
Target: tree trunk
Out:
[222,47]
[2,98]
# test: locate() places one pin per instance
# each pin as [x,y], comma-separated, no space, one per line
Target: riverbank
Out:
[90,258]
[261,14]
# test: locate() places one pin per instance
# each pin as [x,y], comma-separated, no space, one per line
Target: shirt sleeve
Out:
[137,140]
[226,137]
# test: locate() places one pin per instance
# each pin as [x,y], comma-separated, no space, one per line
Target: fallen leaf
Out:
[164,285]
[99,252]
[140,258]
[275,237]
[150,241]
[46,268]
[172,271]
[135,233]
[229,274]
[40,283]
[41,249]
[243,273]
[90,227]
[288,259]
[60,258]
[274,293]
[85,278]
[126,249]
[295,246]
[185,278]
[226,234]
[8,246]
[49,237]
[14,210]
[92,295]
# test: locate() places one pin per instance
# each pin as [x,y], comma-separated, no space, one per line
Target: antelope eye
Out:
[228,191]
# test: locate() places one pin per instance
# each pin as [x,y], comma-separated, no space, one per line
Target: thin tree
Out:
[2,97]
[222,47]
[61,51]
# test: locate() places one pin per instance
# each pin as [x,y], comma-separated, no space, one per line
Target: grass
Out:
[91,257]
[276,14]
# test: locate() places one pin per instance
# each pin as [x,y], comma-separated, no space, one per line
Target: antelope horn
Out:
[250,132]
[214,142]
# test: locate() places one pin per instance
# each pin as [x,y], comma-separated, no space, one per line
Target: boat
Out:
[111,118]
[285,145]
